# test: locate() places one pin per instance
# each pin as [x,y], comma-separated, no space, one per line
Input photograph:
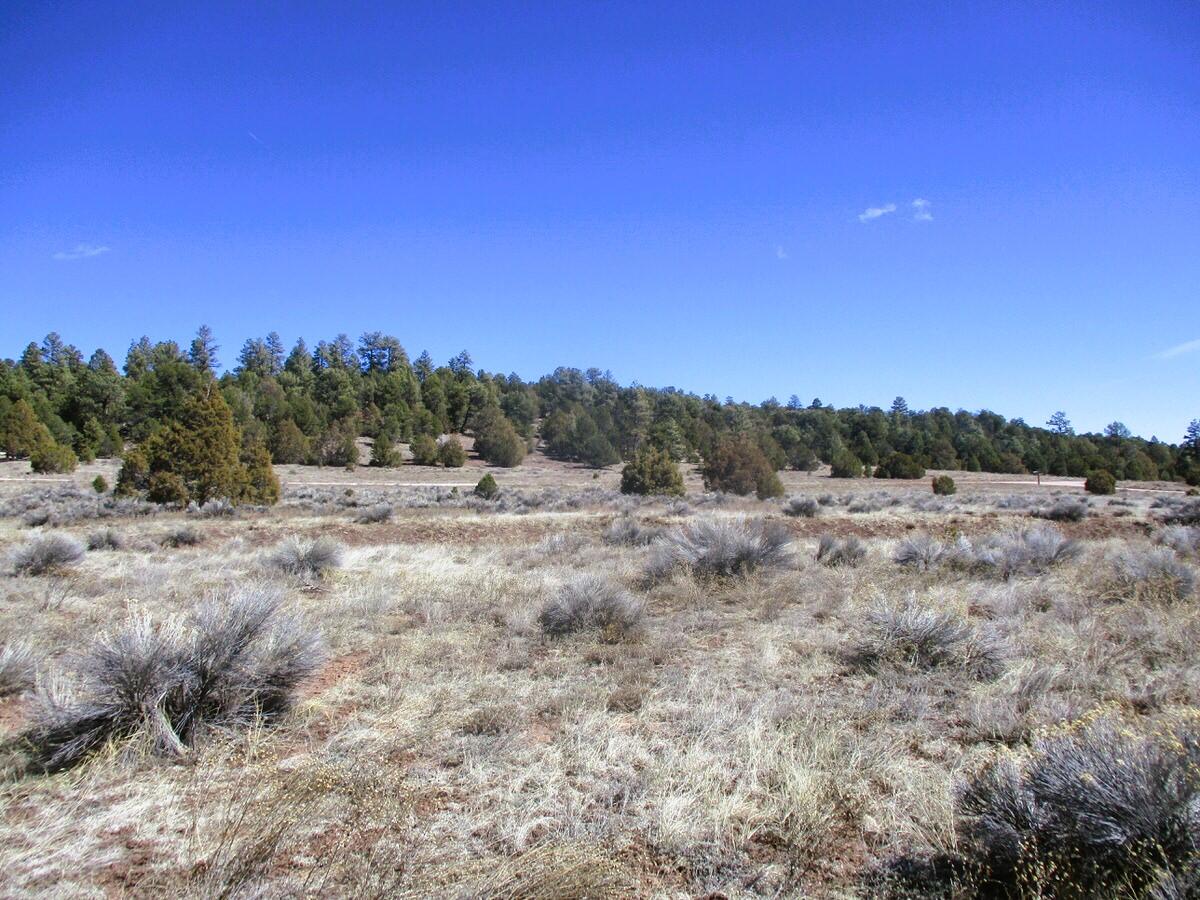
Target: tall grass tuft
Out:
[839,552]
[591,602]
[306,559]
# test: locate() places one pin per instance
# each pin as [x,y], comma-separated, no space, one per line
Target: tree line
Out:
[310,405]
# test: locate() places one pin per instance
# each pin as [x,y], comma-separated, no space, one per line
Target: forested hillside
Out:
[308,405]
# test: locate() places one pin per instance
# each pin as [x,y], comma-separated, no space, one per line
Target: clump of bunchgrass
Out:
[801,507]
[591,602]
[628,531]
[919,551]
[18,668]
[372,515]
[181,536]
[914,636]
[838,552]
[304,558]
[720,548]
[235,660]
[46,553]
[1154,575]
[1024,551]
[106,539]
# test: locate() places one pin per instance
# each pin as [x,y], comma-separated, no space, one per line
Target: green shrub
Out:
[845,465]
[51,458]
[737,465]
[1100,481]
[99,485]
[261,486]
[452,454]
[496,441]
[900,465]
[651,471]
[168,489]
[289,444]
[383,452]
[487,487]
[944,485]
[424,451]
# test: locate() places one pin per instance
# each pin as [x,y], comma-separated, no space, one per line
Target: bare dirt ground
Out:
[728,744]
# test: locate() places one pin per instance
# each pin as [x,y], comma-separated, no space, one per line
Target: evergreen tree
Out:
[652,471]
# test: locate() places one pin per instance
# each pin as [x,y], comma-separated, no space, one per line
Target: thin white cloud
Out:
[921,211]
[1179,349]
[874,212]
[82,251]
[780,253]
[254,137]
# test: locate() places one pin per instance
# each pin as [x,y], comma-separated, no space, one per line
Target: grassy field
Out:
[566,692]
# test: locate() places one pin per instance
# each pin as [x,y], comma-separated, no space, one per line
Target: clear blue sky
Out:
[679,193]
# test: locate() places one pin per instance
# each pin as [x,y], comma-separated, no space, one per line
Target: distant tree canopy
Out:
[310,405]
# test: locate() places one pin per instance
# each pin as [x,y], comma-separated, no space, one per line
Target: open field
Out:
[787,725]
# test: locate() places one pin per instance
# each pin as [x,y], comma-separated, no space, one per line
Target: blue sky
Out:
[678,193]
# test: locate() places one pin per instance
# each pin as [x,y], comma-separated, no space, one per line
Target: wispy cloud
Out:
[254,137]
[780,253]
[921,211]
[1179,350]
[82,251]
[874,212]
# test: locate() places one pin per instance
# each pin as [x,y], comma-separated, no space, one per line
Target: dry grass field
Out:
[566,692]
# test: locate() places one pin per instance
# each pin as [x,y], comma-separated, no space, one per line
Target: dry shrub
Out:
[1025,551]
[373,515]
[916,637]
[591,602]
[106,539]
[306,559]
[627,531]
[18,668]
[46,553]
[801,507]
[919,551]
[1186,513]
[720,549]
[1067,509]
[554,872]
[1183,539]
[835,552]
[1154,575]
[181,536]
[236,659]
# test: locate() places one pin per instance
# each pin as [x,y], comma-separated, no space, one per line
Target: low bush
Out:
[216,508]
[737,465]
[1066,509]
[1027,551]
[46,553]
[899,465]
[628,531]
[181,536]
[487,487]
[306,559]
[591,602]
[836,552]
[801,507]
[99,485]
[716,548]
[106,539]
[913,636]
[424,451]
[51,458]
[1186,513]
[1096,810]
[236,660]
[1100,481]
[1183,539]
[18,668]
[845,465]
[652,471]
[371,515]
[944,485]
[451,454]
[919,551]
[1148,575]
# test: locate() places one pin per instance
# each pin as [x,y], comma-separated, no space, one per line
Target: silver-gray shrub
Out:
[801,507]
[1067,509]
[719,548]
[1185,513]
[1025,551]
[913,636]
[1183,539]
[304,558]
[919,551]
[371,515]
[591,602]
[181,536]
[216,508]
[46,553]
[106,539]
[1149,575]
[237,659]
[629,532]
[18,668]
[1095,811]
[838,552]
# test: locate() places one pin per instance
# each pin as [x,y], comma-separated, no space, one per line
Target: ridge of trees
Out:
[309,406]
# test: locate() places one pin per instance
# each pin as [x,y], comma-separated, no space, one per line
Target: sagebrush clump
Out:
[717,548]
[801,507]
[306,558]
[236,659]
[915,636]
[1148,575]
[46,553]
[591,602]
[835,552]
